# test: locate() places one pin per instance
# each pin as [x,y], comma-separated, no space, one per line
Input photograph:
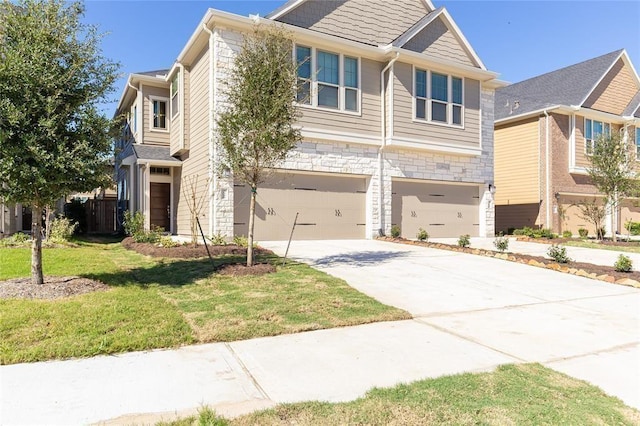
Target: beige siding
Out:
[151,136]
[378,22]
[517,159]
[615,91]
[405,127]
[437,41]
[368,122]
[195,162]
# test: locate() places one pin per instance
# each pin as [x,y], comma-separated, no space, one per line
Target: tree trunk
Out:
[36,246]
[252,213]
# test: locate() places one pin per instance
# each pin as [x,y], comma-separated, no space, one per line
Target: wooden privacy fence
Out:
[101,216]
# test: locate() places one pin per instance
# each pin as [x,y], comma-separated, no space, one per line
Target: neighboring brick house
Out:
[543,130]
[398,128]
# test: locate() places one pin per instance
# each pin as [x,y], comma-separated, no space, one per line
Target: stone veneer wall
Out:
[360,159]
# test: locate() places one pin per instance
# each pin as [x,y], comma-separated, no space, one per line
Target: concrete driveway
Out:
[585,328]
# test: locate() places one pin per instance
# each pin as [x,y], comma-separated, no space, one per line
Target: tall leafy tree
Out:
[613,170]
[53,138]
[256,129]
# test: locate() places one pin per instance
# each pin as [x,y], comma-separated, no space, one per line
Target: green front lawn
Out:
[589,244]
[158,303]
[527,394]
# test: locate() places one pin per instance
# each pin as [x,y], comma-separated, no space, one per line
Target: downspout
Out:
[547,172]
[181,103]
[213,181]
[383,140]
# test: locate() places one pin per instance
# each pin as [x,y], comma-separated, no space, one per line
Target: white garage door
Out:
[443,210]
[328,207]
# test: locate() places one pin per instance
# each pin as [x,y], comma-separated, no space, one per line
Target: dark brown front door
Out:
[26,219]
[161,205]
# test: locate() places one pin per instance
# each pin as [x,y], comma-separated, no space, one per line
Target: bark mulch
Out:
[188,251]
[53,288]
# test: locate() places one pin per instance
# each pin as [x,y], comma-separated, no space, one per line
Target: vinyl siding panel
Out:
[615,91]
[437,41]
[368,122]
[517,156]
[151,136]
[195,162]
[367,21]
[405,127]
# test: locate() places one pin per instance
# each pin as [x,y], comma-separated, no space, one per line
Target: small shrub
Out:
[501,243]
[567,234]
[422,235]
[584,233]
[17,239]
[558,253]
[133,223]
[600,233]
[464,240]
[633,227]
[62,229]
[218,240]
[543,233]
[168,242]
[241,241]
[623,264]
[395,231]
[511,231]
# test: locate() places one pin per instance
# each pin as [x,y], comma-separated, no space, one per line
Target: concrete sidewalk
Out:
[578,254]
[471,313]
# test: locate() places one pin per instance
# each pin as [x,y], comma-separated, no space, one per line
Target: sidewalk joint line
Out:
[596,352]
[248,373]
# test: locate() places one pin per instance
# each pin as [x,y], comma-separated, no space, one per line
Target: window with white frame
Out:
[592,130]
[638,143]
[327,79]
[175,89]
[159,121]
[438,97]
[134,116]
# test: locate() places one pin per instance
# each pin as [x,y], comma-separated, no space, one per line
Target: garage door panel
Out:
[443,210]
[328,207]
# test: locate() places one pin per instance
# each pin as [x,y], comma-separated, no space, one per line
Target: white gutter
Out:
[383,138]
[139,113]
[213,181]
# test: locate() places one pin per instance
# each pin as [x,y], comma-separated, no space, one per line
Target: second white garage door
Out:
[329,207]
[443,210]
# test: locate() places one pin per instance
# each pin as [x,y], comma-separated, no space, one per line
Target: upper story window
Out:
[438,97]
[134,118]
[592,130]
[638,143]
[328,80]
[175,100]
[159,119]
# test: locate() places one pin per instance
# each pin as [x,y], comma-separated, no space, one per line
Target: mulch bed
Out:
[189,251]
[589,270]
[53,288]
[237,270]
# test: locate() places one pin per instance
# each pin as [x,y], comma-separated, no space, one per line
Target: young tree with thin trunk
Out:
[613,171]
[594,212]
[256,129]
[195,202]
[53,138]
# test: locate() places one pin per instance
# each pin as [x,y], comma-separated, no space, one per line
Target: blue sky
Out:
[518,39]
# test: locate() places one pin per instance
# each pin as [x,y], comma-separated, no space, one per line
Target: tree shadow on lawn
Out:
[172,273]
[363,258]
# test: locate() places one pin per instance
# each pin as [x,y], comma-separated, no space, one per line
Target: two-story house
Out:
[397,127]
[545,128]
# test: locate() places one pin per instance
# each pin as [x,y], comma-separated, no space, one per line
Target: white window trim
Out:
[173,113]
[429,100]
[152,99]
[584,132]
[637,141]
[341,87]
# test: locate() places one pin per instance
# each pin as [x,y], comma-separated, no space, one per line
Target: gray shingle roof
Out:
[633,106]
[566,86]
[153,73]
[150,152]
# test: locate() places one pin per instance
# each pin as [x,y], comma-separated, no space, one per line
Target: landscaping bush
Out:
[133,223]
[501,243]
[584,233]
[558,253]
[62,229]
[600,233]
[422,235]
[567,234]
[395,231]
[241,241]
[544,233]
[17,239]
[464,240]
[623,264]
[633,227]
[218,240]
[168,242]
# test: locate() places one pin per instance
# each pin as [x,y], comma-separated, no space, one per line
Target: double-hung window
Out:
[159,119]
[175,99]
[593,129]
[328,80]
[438,97]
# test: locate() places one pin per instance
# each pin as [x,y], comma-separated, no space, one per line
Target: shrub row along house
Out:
[397,128]
[545,128]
